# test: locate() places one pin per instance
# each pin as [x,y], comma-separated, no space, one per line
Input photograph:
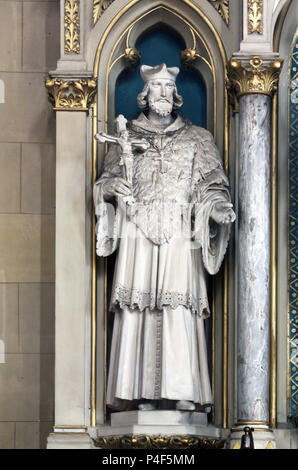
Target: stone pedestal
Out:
[69,441]
[158,418]
[263,438]
[143,428]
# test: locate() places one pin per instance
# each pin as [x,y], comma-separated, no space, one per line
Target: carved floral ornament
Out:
[255,16]
[222,6]
[256,76]
[71,95]
[99,6]
[72,27]
[142,441]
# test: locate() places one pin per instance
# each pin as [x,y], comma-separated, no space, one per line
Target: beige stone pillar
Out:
[71,100]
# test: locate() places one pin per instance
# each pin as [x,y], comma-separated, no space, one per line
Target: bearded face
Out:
[162,107]
[160,96]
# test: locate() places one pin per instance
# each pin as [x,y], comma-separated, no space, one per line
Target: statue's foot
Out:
[147,406]
[185,405]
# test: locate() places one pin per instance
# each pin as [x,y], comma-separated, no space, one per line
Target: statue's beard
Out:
[162,107]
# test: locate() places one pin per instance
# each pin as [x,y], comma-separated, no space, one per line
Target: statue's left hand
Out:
[222,213]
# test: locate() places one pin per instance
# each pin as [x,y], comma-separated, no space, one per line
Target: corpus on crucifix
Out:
[163,202]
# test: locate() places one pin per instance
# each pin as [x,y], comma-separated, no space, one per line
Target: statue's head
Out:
[160,91]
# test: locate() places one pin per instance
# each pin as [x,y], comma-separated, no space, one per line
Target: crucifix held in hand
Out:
[126,144]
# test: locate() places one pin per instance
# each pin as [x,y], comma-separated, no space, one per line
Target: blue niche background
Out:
[156,47]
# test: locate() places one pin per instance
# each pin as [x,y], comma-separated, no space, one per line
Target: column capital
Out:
[71,94]
[252,75]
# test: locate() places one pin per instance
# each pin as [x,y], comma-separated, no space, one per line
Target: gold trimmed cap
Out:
[159,72]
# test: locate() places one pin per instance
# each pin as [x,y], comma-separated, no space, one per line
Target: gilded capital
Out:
[71,95]
[252,76]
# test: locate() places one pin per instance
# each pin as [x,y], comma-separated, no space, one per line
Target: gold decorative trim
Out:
[279,25]
[273,269]
[240,424]
[93,273]
[270,445]
[222,6]
[190,55]
[77,426]
[72,27]
[71,95]
[237,445]
[99,6]
[68,433]
[254,77]
[143,441]
[255,16]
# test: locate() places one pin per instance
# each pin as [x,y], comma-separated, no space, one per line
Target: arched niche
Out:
[157,45]
[197,33]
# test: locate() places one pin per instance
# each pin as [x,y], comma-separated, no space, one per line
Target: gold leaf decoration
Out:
[99,6]
[255,16]
[222,6]
[256,76]
[71,26]
[142,441]
[71,95]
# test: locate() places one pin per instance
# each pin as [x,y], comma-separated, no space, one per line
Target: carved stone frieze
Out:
[142,441]
[222,6]
[72,27]
[99,6]
[71,95]
[252,76]
[255,16]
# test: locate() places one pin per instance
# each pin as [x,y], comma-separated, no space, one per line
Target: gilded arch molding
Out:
[222,6]
[103,59]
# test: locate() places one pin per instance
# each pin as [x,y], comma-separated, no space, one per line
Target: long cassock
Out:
[164,241]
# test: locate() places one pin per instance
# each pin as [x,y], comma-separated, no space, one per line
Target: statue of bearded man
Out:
[176,224]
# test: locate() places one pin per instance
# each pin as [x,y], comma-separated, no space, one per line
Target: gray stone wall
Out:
[29,38]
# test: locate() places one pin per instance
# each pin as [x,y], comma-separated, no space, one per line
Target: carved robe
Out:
[164,240]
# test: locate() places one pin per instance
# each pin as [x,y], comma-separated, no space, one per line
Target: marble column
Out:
[254,260]
[252,81]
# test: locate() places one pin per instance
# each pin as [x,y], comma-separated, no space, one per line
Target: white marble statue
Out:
[164,177]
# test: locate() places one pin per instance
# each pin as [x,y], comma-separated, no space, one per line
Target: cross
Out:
[161,158]
[126,145]
[121,122]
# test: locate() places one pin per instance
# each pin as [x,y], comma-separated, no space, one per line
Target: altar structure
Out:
[239,56]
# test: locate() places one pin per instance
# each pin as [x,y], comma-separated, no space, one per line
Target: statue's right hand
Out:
[116,187]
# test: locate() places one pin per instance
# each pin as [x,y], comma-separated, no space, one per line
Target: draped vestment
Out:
[165,240]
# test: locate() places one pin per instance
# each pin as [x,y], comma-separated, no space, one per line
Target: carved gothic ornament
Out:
[253,76]
[142,441]
[71,95]
[99,6]
[255,16]
[72,27]
[222,6]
